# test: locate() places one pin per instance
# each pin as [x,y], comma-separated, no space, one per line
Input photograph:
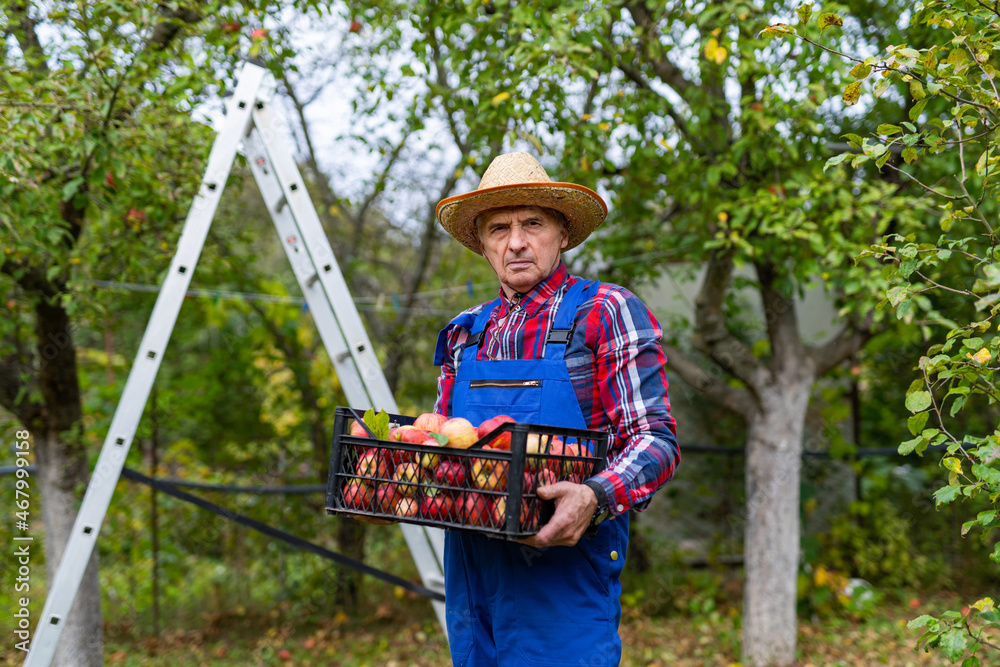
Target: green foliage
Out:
[949,278]
[872,540]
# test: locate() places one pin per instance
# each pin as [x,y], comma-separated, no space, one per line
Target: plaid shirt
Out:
[617,370]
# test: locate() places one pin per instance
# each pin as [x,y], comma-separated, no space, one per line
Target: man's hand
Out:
[575,507]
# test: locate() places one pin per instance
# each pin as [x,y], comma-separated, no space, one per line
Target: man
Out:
[557,350]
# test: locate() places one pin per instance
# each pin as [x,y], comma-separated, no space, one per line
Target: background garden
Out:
[803,193]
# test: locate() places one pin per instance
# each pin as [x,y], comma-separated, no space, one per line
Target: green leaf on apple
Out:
[442,439]
[378,424]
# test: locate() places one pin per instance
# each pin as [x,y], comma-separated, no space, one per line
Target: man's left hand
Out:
[575,507]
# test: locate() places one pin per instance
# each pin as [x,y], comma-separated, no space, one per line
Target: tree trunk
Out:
[62,478]
[771,542]
[59,471]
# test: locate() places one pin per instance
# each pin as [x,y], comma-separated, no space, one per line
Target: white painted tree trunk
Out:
[59,478]
[771,542]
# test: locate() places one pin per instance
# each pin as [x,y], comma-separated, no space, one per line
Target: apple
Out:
[489,474]
[430,421]
[358,495]
[430,461]
[373,464]
[502,441]
[498,511]
[258,33]
[450,473]
[439,507]
[538,447]
[357,430]
[386,497]
[411,434]
[409,474]
[474,508]
[135,217]
[406,507]
[460,432]
[355,26]
[574,469]
[532,481]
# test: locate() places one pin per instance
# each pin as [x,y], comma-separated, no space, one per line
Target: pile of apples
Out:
[462,489]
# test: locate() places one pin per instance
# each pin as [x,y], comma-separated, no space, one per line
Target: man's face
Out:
[523,246]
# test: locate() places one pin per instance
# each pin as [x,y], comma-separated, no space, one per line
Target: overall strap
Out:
[562,328]
[476,332]
[466,321]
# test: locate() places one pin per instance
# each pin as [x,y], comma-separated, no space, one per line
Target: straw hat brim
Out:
[584,209]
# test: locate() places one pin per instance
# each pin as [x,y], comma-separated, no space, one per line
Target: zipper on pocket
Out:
[504,383]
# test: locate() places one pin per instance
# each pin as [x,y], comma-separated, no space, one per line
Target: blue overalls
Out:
[506,603]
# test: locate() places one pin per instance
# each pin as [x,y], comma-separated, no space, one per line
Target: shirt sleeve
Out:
[455,337]
[632,383]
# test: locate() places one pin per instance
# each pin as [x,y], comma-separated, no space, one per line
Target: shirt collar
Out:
[538,295]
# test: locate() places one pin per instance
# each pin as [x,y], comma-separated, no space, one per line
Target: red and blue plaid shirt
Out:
[617,370]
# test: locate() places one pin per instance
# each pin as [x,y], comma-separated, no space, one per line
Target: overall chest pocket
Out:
[521,399]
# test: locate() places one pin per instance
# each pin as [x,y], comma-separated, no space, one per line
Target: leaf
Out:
[888,129]
[861,71]
[920,621]
[442,439]
[971,661]
[778,29]
[909,446]
[910,155]
[918,401]
[953,643]
[880,87]
[852,93]
[952,463]
[805,12]
[71,188]
[986,473]
[916,422]
[837,159]
[916,110]
[946,494]
[828,20]
[501,97]
[917,90]
[984,605]
[378,423]
[981,357]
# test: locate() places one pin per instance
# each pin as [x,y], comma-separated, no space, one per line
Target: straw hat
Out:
[516,179]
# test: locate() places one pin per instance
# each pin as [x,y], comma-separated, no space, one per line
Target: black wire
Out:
[298,542]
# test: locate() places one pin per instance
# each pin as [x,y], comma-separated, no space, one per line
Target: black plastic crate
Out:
[491,491]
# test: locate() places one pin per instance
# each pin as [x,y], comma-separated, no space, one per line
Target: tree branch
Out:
[717,390]
[782,322]
[649,35]
[711,336]
[851,339]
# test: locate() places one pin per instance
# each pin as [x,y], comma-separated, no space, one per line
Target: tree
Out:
[100,160]
[949,275]
[710,139]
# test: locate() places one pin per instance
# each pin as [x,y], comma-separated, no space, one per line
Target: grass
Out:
[401,633]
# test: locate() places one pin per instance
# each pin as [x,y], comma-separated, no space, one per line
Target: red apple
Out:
[358,495]
[109,179]
[386,497]
[450,473]
[258,33]
[373,464]
[498,511]
[406,507]
[460,432]
[489,474]
[474,509]
[355,26]
[430,421]
[502,441]
[440,507]
[411,434]
[357,430]
[135,217]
